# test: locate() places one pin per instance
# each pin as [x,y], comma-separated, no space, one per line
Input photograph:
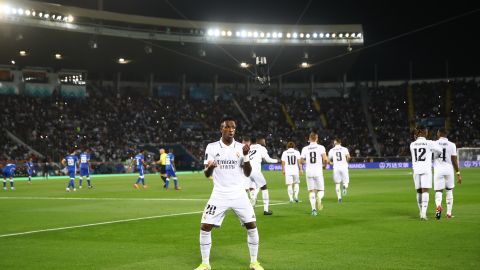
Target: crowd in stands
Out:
[114,126]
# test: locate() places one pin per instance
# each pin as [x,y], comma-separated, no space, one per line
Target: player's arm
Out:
[247,167]
[325,160]
[455,164]
[172,163]
[267,158]
[209,163]
[64,162]
[283,167]
[330,157]
[300,165]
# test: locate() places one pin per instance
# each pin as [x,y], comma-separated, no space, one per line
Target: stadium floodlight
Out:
[347,35]
[59,18]
[13,62]
[274,34]
[20,11]
[244,65]
[34,13]
[210,32]
[301,35]
[13,11]
[268,35]
[294,35]
[289,35]
[40,14]
[359,35]
[327,35]
[304,65]
[123,61]
[223,33]
[5,9]
[334,35]
[46,16]
[28,12]
[340,35]
[249,34]
[279,35]
[315,35]
[216,32]
[58,56]
[321,35]
[229,33]
[243,33]
[238,34]
[262,34]
[23,53]
[255,34]
[70,18]
[307,35]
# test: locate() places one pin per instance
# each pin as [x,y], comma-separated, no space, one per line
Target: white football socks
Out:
[449,199]
[419,202]
[290,192]
[253,241]
[205,246]
[425,197]
[438,198]
[312,199]
[266,200]
[339,192]
[296,189]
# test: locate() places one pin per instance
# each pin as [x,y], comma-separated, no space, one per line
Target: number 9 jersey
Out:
[421,151]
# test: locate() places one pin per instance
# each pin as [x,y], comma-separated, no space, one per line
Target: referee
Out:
[162,161]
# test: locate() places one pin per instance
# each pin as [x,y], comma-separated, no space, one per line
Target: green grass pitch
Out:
[376,227]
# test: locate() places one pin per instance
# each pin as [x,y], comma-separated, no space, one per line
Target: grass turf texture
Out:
[376,227]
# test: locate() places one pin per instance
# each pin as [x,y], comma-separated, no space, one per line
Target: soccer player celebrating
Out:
[291,168]
[71,161]
[140,164]
[421,150]
[315,158]
[30,169]
[85,167]
[340,157]
[170,170]
[8,172]
[443,177]
[257,153]
[226,160]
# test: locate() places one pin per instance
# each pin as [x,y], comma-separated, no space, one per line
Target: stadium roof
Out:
[428,49]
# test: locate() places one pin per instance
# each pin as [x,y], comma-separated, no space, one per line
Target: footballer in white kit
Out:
[315,158]
[250,186]
[291,169]
[257,154]
[421,150]
[226,160]
[339,157]
[443,173]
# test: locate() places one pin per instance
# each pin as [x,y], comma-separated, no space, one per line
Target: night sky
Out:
[427,50]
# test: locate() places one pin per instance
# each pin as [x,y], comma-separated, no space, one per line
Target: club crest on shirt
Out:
[238,154]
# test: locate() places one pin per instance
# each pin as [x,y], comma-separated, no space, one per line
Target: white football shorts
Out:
[215,210]
[315,182]
[292,179]
[422,180]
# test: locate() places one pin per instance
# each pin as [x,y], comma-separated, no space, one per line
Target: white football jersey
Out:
[228,175]
[312,154]
[291,157]
[421,151]
[339,156]
[443,161]
[258,153]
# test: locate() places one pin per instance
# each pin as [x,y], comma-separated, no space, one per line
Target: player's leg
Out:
[29,177]
[213,216]
[296,187]
[416,181]
[71,182]
[311,194]
[449,185]
[244,211]
[289,182]
[426,184]
[346,180]
[320,192]
[88,178]
[11,183]
[439,185]
[4,183]
[337,177]
[266,200]
[80,180]
[167,179]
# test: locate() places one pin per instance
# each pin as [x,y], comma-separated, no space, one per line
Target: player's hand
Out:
[283,172]
[245,149]
[301,172]
[211,164]
[459,179]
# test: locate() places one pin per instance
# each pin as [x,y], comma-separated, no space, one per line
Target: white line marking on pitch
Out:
[111,222]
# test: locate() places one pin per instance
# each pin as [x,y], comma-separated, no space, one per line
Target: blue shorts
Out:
[30,172]
[8,174]
[71,174]
[140,171]
[171,172]
[84,172]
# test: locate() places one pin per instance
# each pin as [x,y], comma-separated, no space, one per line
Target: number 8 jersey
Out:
[312,155]
[421,151]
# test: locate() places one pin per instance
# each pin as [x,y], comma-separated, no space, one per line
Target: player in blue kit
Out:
[30,169]
[170,169]
[85,168]
[71,161]
[8,172]
[139,161]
